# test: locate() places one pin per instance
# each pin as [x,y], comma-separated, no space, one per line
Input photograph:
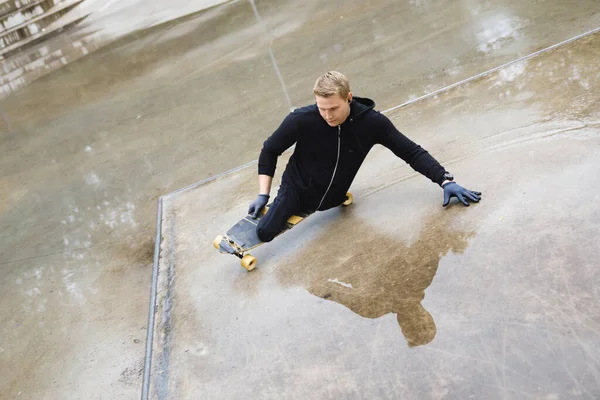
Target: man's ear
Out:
[350,97]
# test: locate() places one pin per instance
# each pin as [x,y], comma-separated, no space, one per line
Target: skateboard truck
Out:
[227,245]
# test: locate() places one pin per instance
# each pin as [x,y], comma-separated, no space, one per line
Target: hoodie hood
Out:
[359,107]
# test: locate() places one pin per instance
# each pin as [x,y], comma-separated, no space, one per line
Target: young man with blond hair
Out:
[333,137]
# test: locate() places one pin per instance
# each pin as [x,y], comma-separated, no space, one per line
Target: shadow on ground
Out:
[381,274]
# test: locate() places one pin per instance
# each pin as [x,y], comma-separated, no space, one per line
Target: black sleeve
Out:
[282,139]
[418,158]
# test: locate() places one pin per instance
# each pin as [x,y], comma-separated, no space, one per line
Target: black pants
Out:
[287,203]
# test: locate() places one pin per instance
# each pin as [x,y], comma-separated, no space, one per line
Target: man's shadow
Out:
[386,275]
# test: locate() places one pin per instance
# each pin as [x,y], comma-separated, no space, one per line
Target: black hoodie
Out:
[326,159]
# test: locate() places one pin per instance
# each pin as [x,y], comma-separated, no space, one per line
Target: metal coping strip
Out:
[153,293]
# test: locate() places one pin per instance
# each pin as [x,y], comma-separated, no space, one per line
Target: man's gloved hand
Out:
[257,205]
[453,189]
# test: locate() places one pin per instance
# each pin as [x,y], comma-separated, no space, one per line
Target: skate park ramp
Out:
[393,297]
[396,296]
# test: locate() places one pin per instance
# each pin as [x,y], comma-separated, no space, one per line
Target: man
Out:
[332,139]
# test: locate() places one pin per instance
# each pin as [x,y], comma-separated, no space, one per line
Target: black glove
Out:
[258,204]
[453,189]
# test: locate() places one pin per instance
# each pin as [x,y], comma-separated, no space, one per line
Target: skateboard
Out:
[241,237]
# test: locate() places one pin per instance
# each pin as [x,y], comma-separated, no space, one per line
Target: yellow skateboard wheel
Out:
[349,199]
[217,242]
[249,262]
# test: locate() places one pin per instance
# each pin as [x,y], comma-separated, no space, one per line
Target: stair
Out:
[28,23]
[29,46]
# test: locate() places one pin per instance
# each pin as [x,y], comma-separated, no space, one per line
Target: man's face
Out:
[334,109]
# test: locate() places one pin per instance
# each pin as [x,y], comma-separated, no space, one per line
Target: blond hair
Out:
[332,83]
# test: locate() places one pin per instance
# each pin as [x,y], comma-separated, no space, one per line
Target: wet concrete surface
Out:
[89,26]
[415,46]
[395,296]
[87,150]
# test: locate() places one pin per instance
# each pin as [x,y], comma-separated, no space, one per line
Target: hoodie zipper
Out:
[336,165]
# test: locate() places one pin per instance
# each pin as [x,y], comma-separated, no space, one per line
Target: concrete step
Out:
[46,53]
[9,6]
[43,60]
[57,47]
[15,36]
[25,13]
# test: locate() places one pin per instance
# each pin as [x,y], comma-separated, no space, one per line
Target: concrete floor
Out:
[494,301]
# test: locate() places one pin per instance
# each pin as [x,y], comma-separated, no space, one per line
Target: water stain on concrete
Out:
[376,273]
[131,375]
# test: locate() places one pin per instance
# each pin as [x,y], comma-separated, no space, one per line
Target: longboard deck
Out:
[242,236]
[243,233]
